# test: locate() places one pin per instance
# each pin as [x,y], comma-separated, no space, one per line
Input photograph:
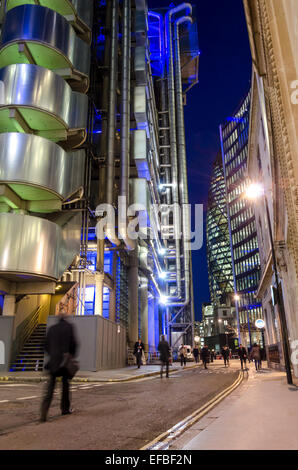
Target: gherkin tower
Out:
[218,242]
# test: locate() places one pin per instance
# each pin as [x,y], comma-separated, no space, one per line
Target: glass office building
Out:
[219,259]
[242,226]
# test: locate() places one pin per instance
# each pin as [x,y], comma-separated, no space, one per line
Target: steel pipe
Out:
[172,89]
[110,229]
[125,123]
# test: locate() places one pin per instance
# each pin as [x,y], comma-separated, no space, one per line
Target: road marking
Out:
[27,398]
[163,441]
[17,385]
[4,401]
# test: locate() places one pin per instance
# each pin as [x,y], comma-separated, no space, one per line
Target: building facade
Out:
[242,225]
[93,174]
[219,327]
[272,161]
[219,259]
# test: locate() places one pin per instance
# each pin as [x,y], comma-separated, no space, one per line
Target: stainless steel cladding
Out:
[34,24]
[141,27]
[26,85]
[140,66]
[84,9]
[35,248]
[35,161]
[140,107]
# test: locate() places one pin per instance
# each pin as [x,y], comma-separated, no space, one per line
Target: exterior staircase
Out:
[31,356]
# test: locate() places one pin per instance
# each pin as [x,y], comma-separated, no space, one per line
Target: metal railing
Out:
[25,330]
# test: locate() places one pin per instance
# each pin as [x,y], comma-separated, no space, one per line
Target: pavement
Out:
[113,375]
[261,414]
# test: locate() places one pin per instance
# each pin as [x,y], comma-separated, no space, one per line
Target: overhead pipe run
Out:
[125,124]
[175,89]
[110,227]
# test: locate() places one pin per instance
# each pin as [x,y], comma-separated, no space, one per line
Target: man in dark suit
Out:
[164,355]
[205,355]
[60,339]
[242,353]
[138,351]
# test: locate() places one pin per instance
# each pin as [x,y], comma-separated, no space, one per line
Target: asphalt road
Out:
[111,416]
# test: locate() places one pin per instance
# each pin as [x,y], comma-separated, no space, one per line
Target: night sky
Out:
[224,78]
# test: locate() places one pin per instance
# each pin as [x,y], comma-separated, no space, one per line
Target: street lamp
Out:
[253,192]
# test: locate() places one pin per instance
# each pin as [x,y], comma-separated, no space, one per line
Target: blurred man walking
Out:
[164,355]
[60,341]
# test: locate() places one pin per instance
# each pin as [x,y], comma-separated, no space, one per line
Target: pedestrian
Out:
[195,352]
[60,341]
[225,352]
[182,354]
[139,352]
[212,355]
[164,355]
[205,355]
[242,353]
[255,355]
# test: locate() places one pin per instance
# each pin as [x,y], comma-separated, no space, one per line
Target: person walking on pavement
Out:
[195,352]
[182,354]
[205,355]
[212,355]
[164,355]
[139,351]
[255,355]
[242,353]
[60,341]
[226,355]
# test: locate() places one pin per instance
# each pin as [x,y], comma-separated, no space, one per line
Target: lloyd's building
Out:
[91,137]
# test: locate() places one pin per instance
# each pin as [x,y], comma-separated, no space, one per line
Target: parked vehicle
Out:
[189,356]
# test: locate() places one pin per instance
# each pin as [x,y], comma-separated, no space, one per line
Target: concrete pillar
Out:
[156,321]
[9,305]
[133,298]
[151,323]
[112,307]
[144,311]
[99,277]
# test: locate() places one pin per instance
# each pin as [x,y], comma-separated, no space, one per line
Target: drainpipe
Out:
[125,125]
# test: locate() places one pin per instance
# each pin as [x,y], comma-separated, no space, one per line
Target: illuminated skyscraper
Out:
[242,226]
[218,241]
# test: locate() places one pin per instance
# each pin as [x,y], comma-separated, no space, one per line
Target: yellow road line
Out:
[168,436]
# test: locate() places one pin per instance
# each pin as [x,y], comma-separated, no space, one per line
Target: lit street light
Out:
[253,192]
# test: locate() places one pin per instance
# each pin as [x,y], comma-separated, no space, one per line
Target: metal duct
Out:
[141,27]
[140,107]
[140,153]
[140,65]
